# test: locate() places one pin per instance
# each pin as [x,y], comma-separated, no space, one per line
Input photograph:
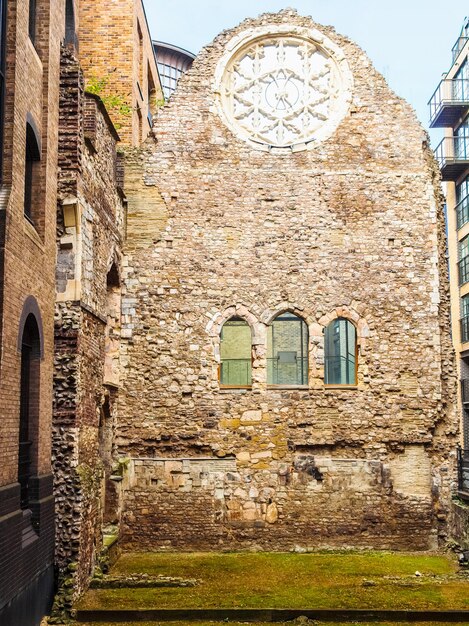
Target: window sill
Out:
[341,387]
[287,387]
[234,389]
[31,232]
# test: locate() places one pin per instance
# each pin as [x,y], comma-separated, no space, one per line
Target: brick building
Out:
[288,381]
[31,35]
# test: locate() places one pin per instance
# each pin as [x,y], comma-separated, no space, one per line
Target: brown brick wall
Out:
[111,48]
[27,269]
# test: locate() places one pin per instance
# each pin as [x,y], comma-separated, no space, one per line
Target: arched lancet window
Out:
[32,20]
[287,351]
[235,353]
[31,173]
[340,353]
[29,406]
[112,332]
[70,34]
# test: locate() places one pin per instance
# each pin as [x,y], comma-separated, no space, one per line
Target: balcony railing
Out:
[236,373]
[285,372]
[463,472]
[458,46]
[463,270]
[462,212]
[464,322]
[452,154]
[448,103]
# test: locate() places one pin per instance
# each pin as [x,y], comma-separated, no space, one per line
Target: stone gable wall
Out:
[352,227]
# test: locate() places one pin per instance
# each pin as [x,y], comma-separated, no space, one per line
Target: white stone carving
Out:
[286,88]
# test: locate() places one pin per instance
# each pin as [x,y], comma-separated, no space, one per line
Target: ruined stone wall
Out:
[89,239]
[351,227]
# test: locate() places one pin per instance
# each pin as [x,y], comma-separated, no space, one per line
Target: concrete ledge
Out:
[271,615]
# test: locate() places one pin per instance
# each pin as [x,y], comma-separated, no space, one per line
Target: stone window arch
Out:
[321,351]
[287,350]
[340,352]
[113,326]
[235,353]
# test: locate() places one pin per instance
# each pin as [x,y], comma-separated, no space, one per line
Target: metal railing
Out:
[464,322]
[463,270]
[458,46]
[462,212]
[452,149]
[339,370]
[287,373]
[463,470]
[236,372]
[449,92]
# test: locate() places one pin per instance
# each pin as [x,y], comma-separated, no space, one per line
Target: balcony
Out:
[458,46]
[462,212]
[463,271]
[452,154]
[449,102]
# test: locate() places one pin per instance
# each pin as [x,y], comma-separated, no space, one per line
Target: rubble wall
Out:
[352,227]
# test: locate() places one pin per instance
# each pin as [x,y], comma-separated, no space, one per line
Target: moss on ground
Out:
[376,580]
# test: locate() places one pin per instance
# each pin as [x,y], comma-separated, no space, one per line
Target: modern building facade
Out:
[31,34]
[287,378]
[172,63]
[449,110]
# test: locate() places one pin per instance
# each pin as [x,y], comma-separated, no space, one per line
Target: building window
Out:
[463,264]
[287,351]
[29,407]
[461,141]
[462,202]
[31,174]
[340,353]
[32,20]
[235,354]
[70,33]
[465,318]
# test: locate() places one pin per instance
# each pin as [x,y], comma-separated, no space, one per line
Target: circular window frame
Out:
[344,83]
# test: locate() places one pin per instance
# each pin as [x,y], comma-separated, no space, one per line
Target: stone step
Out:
[270,615]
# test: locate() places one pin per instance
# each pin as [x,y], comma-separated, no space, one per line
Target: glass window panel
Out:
[340,343]
[464,247]
[287,351]
[465,306]
[235,352]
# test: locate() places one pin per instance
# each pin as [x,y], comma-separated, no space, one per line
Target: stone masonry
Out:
[352,227]
[90,226]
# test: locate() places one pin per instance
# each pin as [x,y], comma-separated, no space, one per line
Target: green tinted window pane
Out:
[287,351]
[235,352]
[340,353]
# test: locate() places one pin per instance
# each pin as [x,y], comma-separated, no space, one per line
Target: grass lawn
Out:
[376,580]
[265,624]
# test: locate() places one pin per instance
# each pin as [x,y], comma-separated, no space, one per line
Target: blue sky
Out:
[409,41]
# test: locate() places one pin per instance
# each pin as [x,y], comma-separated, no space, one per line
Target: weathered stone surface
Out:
[352,227]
